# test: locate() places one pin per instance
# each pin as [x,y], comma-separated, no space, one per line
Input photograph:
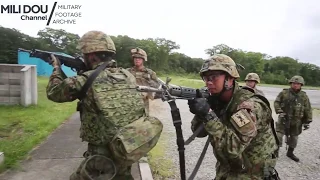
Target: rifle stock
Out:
[75,63]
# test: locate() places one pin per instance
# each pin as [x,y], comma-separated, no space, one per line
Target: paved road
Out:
[308,145]
[272,92]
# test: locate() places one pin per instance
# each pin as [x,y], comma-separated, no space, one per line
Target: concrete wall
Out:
[18,84]
[43,68]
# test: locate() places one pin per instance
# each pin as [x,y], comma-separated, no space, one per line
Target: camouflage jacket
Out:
[242,137]
[295,104]
[112,101]
[257,91]
[145,77]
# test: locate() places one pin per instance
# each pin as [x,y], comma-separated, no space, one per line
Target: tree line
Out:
[162,57]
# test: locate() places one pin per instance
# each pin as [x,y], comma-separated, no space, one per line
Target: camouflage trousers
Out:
[261,171]
[147,106]
[292,141]
[121,172]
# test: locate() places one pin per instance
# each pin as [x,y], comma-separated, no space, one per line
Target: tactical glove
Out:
[199,106]
[306,126]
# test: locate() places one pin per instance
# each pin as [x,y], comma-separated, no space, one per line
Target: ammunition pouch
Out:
[135,140]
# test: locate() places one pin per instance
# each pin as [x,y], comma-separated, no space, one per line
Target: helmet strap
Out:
[225,88]
[225,85]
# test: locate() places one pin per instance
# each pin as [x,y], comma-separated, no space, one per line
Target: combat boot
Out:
[291,155]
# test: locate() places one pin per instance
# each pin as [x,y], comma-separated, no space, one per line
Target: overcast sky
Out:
[278,28]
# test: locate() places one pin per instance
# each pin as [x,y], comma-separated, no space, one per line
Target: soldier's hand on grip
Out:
[55,61]
[199,105]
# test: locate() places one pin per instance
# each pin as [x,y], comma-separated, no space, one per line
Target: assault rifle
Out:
[170,93]
[75,63]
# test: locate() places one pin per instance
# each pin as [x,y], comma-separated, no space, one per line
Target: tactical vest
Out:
[112,102]
[293,105]
[241,95]
[143,77]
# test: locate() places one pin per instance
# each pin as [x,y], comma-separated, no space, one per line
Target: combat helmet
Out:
[95,41]
[297,79]
[220,62]
[139,53]
[252,77]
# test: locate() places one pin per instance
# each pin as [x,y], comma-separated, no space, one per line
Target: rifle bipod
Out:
[176,118]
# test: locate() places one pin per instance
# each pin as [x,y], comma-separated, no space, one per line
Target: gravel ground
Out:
[308,149]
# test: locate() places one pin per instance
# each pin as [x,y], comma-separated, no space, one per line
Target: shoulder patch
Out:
[240,118]
[244,124]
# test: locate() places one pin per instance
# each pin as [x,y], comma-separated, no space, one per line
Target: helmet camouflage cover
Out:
[220,62]
[297,79]
[252,77]
[139,53]
[95,41]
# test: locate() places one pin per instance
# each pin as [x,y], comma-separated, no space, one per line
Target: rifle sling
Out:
[199,162]
[194,135]
[176,118]
[91,78]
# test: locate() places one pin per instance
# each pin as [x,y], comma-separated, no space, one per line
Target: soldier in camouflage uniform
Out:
[238,121]
[113,119]
[252,79]
[293,105]
[143,75]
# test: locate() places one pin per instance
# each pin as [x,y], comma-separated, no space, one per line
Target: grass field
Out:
[161,167]
[22,128]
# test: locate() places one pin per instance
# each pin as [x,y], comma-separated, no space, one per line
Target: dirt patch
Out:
[10,130]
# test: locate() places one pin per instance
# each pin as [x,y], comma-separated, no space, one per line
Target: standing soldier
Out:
[252,79]
[113,120]
[239,123]
[294,109]
[144,76]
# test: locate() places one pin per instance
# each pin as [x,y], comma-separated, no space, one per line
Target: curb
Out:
[1,158]
[144,169]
